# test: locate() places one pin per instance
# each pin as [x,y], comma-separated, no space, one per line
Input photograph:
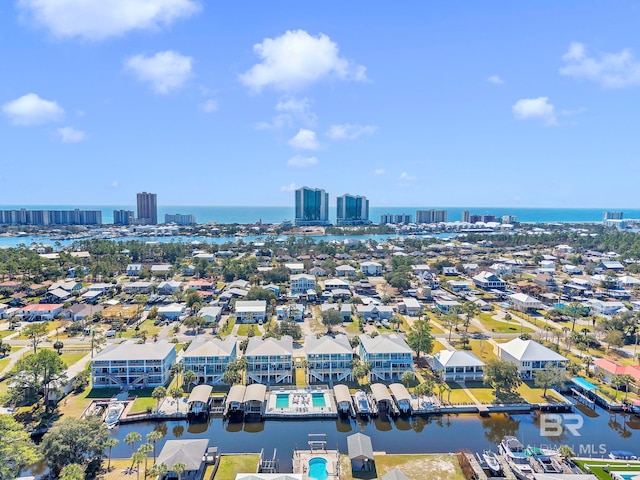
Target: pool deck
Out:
[301,462]
[300,404]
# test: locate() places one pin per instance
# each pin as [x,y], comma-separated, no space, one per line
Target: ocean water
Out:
[205,214]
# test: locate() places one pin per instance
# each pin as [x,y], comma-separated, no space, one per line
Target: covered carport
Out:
[381,395]
[199,399]
[343,399]
[360,453]
[401,396]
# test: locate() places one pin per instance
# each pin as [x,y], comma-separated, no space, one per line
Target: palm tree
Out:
[152,438]
[136,459]
[145,449]
[131,439]
[189,378]
[178,469]
[177,393]
[176,370]
[159,470]
[587,362]
[158,394]
[110,443]
[626,380]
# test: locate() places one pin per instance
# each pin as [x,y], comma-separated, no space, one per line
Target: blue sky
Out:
[515,104]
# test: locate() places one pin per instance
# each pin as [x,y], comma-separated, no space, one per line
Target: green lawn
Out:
[243,329]
[458,395]
[352,327]
[415,467]
[533,394]
[141,404]
[230,324]
[74,357]
[596,467]
[498,326]
[230,465]
[6,333]
[3,363]
[482,393]
[482,349]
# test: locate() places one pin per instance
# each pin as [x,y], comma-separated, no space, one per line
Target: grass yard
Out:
[230,465]
[596,467]
[243,329]
[141,404]
[3,363]
[482,393]
[458,395]
[6,333]
[437,347]
[230,323]
[300,377]
[499,326]
[352,328]
[415,467]
[533,394]
[51,327]
[483,350]
[73,357]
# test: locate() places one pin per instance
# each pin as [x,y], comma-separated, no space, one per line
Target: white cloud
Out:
[71,135]
[165,71]
[301,161]
[496,80]
[291,110]
[114,184]
[99,19]
[30,110]
[292,187]
[305,140]
[404,176]
[296,59]
[209,106]
[535,108]
[611,70]
[379,171]
[575,111]
[349,132]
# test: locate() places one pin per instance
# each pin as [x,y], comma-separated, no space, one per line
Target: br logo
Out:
[554,424]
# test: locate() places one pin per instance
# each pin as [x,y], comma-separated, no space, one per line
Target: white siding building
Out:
[530,356]
[131,364]
[208,358]
[301,282]
[389,356]
[454,365]
[251,311]
[270,360]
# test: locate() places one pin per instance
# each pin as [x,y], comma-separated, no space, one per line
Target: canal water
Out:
[599,432]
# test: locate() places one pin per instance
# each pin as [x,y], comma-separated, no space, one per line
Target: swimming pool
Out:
[318,400]
[318,469]
[282,400]
[621,475]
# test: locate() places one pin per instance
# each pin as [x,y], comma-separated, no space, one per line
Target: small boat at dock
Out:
[516,458]
[364,407]
[492,461]
[112,415]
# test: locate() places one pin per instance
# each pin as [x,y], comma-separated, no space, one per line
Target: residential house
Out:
[600,307]
[530,356]
[410,306]
[293,311]
[546,282]
[318,272]
[345,271]
[57,295]
[571,269]
[301,283]
[489,281]
[132,364]
[344,309]
[336,283]
[251,311]
[200,284]
[162,270]
[524,303]
[241,284]
[137,287]
[455,365]
[609,369]
[40,311]
[169,287]
[82,311]
[189,453]
[134,270]
[208,358]
[375,312]
[388,354]
[420,269]
[172,311]
[211,314]
[270,360]
[611,265]
[445,304]
[459,285]
[450,271]
[328,358]
[68,286]
[371,269]
[295,267]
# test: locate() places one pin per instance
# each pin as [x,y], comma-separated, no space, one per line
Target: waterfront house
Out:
[445,304]
[458,365]
[211,314]
[189,453]
[524,303]
[328,358]
[40,311]
[301,283]
[530,356]
[270,360]
[208,358]
[250,311]
[371,269]
[609,369]
[388,354]
[489,281]
[131,364]
[600,307]
[345,271]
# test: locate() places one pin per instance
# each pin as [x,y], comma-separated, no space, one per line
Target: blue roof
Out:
[582,383]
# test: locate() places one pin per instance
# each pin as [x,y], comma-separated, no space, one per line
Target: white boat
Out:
[516,458]
[492,461]
[363,406]
[113,413]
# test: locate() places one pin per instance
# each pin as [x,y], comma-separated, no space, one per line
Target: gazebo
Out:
[360,452]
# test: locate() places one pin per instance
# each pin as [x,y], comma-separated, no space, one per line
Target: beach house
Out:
[270,360]
[388,354]
[455,365]
[208,358]
[530,356]
[131,364]
[328,358]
